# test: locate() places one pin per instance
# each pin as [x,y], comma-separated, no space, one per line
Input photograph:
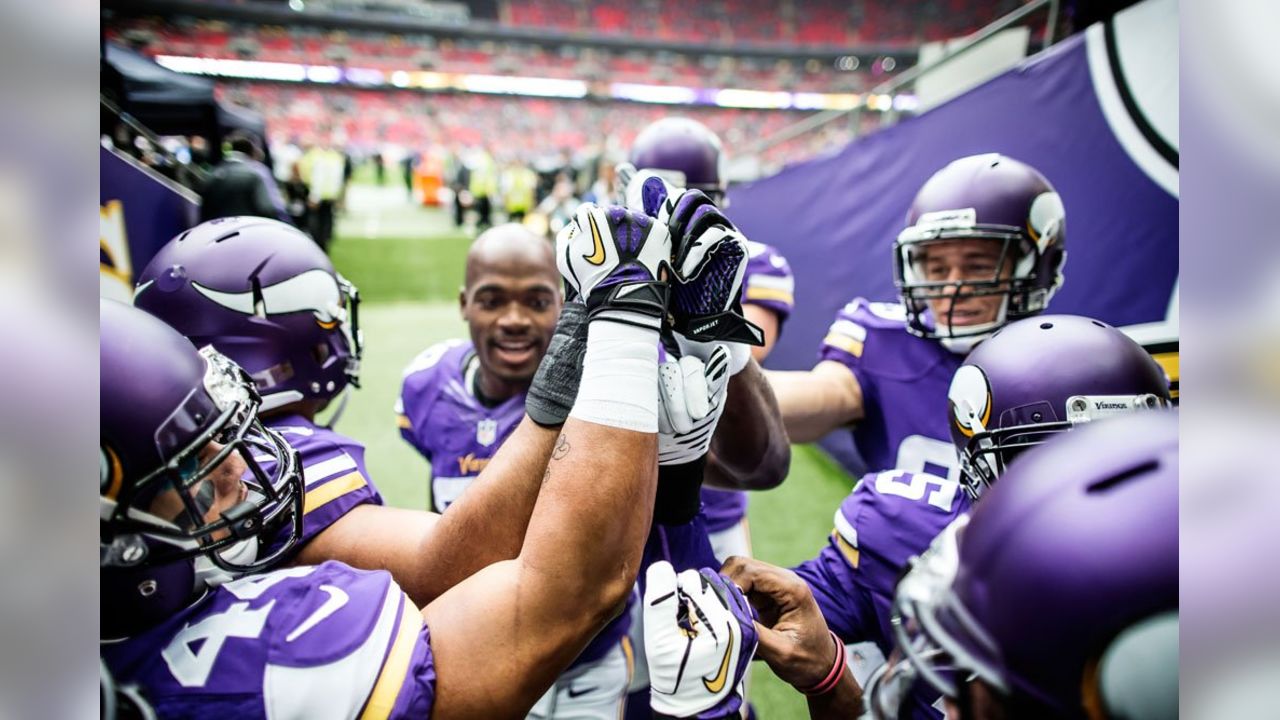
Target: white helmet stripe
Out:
[315,290]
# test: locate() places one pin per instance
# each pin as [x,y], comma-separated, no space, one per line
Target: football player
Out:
[460,401]
[1032,380]
[686,154]
[188,470]
[983,246]
[1058,597]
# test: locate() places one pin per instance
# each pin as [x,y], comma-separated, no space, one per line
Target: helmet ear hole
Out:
[320,351]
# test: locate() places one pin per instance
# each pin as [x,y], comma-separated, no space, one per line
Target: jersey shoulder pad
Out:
[333,633]
[435,359]
[426,377]
[872,338]
[857,325]
[895,514]
[327,612]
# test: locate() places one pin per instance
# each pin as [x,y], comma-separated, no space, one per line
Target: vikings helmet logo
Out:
[970,400]
[314,290]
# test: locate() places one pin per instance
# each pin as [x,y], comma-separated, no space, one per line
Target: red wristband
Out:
[833,676]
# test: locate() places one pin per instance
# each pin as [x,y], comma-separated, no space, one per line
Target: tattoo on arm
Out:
[562,448]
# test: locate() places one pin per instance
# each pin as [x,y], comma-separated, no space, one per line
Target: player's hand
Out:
[643,190]
[699,638]
[794,639]
[691,395]
[617,261]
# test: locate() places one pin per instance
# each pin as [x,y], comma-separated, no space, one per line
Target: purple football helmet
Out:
[989,197]
[1054,585]
[170,416]
[1039,377]
[683,152]
[265,295]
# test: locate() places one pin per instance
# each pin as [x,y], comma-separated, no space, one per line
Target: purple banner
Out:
[835,218]
[140,212]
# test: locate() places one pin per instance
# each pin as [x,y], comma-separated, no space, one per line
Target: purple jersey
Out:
[887,519]
[768,284]
[304,642]
[332,468]
[440,416]
[904,382]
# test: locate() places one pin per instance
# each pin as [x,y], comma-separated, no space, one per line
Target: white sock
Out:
[619,377]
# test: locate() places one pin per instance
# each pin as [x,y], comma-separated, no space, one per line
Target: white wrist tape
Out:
[619,378]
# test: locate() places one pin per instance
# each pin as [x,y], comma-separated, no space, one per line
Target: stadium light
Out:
[662,94]
[756,99]
[535,86]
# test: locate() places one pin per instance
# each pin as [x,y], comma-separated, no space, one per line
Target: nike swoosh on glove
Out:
[699,638]
[616,260]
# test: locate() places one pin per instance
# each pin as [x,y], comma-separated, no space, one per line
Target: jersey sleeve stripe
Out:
[848,328]
[772,282]
[782,296]
[849,552]
[325,469]
[845,530]
[382,699]
[403,422]
[845,343]
[328,492]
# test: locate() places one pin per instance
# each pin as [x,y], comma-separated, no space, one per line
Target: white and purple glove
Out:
[613,258]
[699,638]
[710,260]
[691,395]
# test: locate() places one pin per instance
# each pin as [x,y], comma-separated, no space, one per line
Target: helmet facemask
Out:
[1015,277]
[988,453]
[133,534]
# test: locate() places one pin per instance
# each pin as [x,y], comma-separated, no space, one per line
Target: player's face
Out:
[964,260]
[512,311]
[216,493]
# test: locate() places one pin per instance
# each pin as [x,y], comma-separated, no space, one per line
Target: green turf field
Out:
[407,262]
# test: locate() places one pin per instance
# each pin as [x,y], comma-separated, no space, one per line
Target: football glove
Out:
[699,638]
[691,395]
[691,399]
[710,258]
[616,260]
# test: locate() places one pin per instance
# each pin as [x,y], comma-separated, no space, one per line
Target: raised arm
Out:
[815,402]
[750,450]
[429,553]
[501,636]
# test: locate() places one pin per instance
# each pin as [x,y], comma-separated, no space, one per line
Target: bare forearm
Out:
[587,531]
[815,402]
[750,450]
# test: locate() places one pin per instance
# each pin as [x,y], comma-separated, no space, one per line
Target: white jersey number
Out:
[913,486]
[917,452]
[191,669]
